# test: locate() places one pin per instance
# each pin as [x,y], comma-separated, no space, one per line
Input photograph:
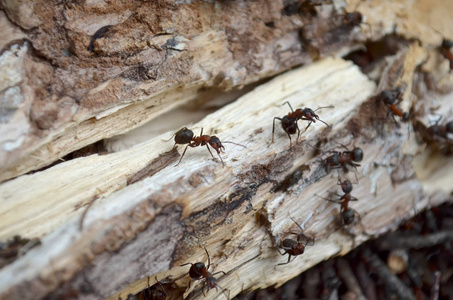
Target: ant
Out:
[440,130]
[391,98]
[341,159]
[293,247]
[155,294]
[347,214]
[353,19]
[186,136]
[289,122]
[445,50]
[199,270]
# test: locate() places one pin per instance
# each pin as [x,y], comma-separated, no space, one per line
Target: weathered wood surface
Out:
[162,215]
[69,80]
[148,216]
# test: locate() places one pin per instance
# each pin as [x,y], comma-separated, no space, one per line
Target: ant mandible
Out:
[293,247]
[198,271]
[347,214]
[186,136]
[391,98]
[155,294]
[440,130]
[289,122]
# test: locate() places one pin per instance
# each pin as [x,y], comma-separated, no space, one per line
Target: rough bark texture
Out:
[70,80]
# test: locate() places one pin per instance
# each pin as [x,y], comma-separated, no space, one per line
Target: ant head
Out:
[211,282]
[354,18]
[196,270]
[158,295]
[216,144]
[183,136]
[310,114]
[347,216]
[357,154]
[447,44]
[389,97]
[449,127]
[346,186]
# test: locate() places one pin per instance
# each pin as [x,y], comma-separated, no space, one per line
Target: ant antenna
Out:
[234,143]
[321,107]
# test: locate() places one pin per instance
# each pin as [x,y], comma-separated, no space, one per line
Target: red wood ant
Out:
[155,294]
[445,50]
[353,19]
[440,130]
[199,270]
[341,159]
[293,247]
[186,136]
[347,214]
[289,122]
[391,98]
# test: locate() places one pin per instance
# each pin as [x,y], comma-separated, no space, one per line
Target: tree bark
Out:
[106,222]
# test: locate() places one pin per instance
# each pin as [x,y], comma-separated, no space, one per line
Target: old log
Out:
[107,222]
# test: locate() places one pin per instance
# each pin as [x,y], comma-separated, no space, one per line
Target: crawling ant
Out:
[289,122]
[293,247]
[347,214]
[440,130]
[353,19]
[341,159]
[155,294]
[445,49]
[199,270]
[392,98]
[186,136]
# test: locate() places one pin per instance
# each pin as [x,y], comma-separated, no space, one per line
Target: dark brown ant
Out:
[155,294]
[186,136]
[445,49]
[347,214]
[198,271]
[353,19]
[392,98]
[289,122]
[341,159]
[440,130]
[293,247]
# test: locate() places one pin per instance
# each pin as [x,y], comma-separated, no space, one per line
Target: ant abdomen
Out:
[357,154]
[293,247]
[183,136]
[196,270]
[348,216]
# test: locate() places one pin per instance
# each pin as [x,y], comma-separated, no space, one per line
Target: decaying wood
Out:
[76,73]
[146,217]
[163,218]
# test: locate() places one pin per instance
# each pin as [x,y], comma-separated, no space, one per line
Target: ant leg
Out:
[289,260]
[219,272]
[202,288]
[287,102]
[290,142]
[182,155]
[298,133]
[280,252]
[201,133]
[273,127]
[296,223]
[210,151]
[308,126]
[209,258]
